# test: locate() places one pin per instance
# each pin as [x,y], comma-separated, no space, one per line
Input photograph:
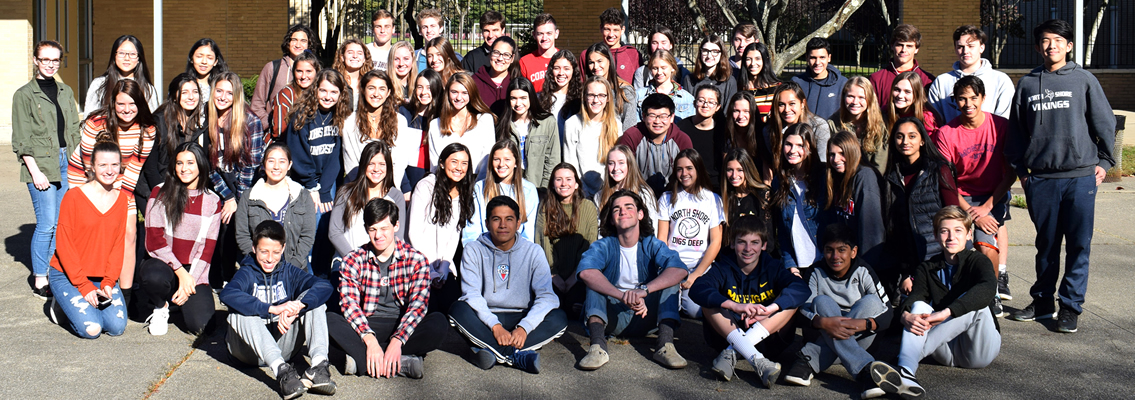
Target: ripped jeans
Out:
[84,317]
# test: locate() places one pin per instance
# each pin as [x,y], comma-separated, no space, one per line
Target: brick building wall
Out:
[937,20]
[578,21]
[248,31]
[1118,84]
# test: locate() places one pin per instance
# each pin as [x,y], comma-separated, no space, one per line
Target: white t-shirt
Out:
[691,218]
[521,129]
[379,56]
[628,268]
[802,243]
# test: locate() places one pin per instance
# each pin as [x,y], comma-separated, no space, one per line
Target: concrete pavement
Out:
[45,361]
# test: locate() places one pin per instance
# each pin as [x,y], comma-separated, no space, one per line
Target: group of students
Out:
[380,201]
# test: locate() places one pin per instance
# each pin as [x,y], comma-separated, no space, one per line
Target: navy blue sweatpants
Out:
[1062,209]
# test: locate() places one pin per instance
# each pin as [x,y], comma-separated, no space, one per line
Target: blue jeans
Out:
[1062,209]
[46,206]
[322,251]
[623,322]
[88,321]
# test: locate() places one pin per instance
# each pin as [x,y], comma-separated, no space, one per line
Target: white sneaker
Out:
[158,321]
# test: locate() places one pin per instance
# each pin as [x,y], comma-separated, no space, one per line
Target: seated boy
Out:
[947,312]
[848,306]
[507,325]
[632,282]
[746,297]
[385,289]
[265,298]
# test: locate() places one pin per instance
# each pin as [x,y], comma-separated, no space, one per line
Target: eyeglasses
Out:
[657,117]
[128,56]
[497,54]
[48,61]
[597,96]
[709,52]
[707,103]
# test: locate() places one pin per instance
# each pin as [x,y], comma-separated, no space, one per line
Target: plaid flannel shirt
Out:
[360,294]
[245,173]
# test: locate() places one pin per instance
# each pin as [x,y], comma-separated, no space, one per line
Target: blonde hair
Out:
[402,86]
[610,119]
[493,187]
[234,144]
[874,134]
[633,181]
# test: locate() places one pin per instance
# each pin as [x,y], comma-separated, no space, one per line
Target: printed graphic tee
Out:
[690,218]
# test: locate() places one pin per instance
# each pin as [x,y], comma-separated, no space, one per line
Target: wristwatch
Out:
[644,288]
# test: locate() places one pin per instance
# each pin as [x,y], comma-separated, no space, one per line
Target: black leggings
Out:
[158,284]
[427,336]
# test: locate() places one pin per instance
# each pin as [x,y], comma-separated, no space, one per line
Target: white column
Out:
[156,62]
[1078,42]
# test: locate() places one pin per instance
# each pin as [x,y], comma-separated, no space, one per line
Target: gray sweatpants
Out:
[250,340]
[969,340]
[852,352]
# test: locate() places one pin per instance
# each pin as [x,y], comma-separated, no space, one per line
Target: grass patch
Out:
[1018,201]
[1128,161]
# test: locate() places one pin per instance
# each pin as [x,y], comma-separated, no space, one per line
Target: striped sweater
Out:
[281,108]
[134,145]
[192,241]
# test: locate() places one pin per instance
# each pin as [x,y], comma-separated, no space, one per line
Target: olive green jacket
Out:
[542,150]
[34,128]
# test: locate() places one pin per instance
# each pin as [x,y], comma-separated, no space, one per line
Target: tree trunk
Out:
[859,49]
[699,18]
[732,19]
[998,45]
[1095,32]
[827,29]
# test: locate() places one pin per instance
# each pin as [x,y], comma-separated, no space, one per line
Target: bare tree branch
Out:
[699,17]
[1095,32]
[827,29]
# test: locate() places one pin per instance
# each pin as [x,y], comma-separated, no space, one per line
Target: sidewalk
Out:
[45,361]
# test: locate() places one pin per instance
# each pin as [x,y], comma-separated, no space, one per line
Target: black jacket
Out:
[973,284]
[910,228]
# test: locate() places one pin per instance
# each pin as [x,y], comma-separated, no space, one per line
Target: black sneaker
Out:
[1038,309]
[290,384]
[42,292]
[996,308]
[869,389]
[318,379]
[411,367]
[800,374]
[527,360]
[900,382]
[1067,320]
[1003,287]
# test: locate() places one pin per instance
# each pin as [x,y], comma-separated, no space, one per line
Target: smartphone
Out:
[104,301]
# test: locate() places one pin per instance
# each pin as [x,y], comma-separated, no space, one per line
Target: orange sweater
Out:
[134,144]
[88,243]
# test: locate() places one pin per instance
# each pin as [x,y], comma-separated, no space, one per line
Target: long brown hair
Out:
[786,172]
[178,124]
[839,185]
[452,64]
[633,181]
[557,222]
[747,137]
[440,200]
[776,124]
[616,83]
[308,103]
[874,134]
[356,193]
[236,139]
[575,84]
[387,131]
[753,184]
[144,119]
[475,106]
[722,72]
[493,182]
[340,64]
[919,105]
[174,195]
[701,181]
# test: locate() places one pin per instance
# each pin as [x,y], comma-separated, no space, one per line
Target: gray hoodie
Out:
[486,281]
[998,91]
[1061,125]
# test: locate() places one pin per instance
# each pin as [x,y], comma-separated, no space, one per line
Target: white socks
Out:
[316,360]
[756,333]
[745,343]
[1001,268]
[275,365]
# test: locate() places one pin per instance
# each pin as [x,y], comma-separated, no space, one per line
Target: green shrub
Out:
[249,87]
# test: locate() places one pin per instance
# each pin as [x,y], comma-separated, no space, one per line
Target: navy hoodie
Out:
[769,283]
[824,96]
[1061,125]
[315,151]
[252,291]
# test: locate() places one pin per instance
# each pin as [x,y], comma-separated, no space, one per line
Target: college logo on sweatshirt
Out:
[502,272]
[270,295]
[1049,100]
